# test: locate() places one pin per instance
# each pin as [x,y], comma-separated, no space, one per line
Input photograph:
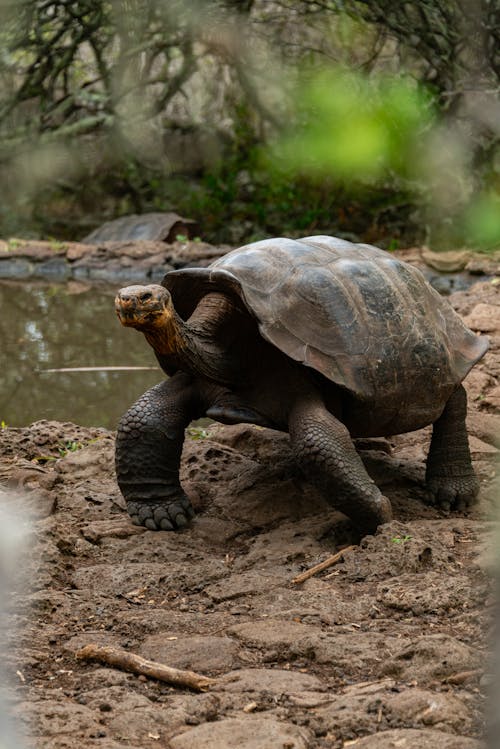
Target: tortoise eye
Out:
[145,296]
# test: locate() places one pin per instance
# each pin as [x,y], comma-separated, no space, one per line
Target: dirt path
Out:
[385,649]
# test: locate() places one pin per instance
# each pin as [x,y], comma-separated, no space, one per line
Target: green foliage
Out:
[400,539]
[353,127]
[482,221]
[93,92]
[57,246]
[197,433]
[69,447]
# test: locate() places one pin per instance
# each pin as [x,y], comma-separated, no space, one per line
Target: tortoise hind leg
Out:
[450,478]
[149,444]
[324,450]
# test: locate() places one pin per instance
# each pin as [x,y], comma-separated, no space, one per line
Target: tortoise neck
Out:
[169,338]
[189,347]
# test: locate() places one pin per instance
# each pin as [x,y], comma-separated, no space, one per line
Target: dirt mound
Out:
[384,649]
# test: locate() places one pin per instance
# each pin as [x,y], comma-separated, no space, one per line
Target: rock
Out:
[204,654]
[346,654]
[97,638]
[288,545]
[484,318]
[44,439]
[116,698]
[476,383]
[145,581]
[142,724]
[410,738]
[446,262]
[353,711]
[484,264]
[276,681]
[244,733]
[88,461]
[398,548]
[413,706]
[351,655]
[121,261]
[351,714]
[53,717]
[429,593]
[485,427]
[120,528]
[432,657]
[17,268]
[95,741]
[480,449]
[254,491]
[277,634]
[245,583]
[259,443]
[492,398]
[103,678]
[33,503]
[216,531]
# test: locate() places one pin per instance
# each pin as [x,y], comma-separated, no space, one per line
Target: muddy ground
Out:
[387,648]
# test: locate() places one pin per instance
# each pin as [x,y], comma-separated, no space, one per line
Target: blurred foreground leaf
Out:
[352,127]
[482,221]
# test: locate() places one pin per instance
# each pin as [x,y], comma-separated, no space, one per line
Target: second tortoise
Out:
[318,337]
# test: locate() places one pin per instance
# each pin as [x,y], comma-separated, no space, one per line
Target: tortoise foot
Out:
[374,511]
[161,515]
[452,493]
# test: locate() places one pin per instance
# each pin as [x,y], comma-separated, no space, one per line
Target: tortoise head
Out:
[146,308]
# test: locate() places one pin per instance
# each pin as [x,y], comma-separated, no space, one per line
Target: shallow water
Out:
[49,327]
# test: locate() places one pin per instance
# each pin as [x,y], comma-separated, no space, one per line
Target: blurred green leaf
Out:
[482,221]
[352,126]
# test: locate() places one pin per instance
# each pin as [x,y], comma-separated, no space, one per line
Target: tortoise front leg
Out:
[324,450]
[149,444]
[450,478]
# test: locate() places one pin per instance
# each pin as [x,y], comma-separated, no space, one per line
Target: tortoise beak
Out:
[140,306]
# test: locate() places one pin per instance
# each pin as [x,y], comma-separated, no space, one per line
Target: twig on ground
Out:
[136,664]
[464,676]
[321,566]
[94,369]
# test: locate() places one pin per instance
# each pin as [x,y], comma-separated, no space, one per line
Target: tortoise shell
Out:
[162,227]
[362,318]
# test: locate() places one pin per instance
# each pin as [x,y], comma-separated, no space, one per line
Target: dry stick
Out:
[321,566]
[464,676]
[94,369]
[138,665]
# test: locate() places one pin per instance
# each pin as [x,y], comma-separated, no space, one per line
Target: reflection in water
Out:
[47,327]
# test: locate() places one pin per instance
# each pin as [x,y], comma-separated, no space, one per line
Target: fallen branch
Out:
[321,566]
[138,665]
[93,369]
[464,676]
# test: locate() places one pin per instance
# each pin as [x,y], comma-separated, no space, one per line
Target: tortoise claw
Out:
[161,515]
[452,493]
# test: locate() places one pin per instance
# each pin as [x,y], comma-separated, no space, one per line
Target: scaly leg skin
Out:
[148,453]
[324,450]
[450,478]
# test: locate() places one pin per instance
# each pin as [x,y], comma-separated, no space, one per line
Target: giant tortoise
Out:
[318,337]
[160,227]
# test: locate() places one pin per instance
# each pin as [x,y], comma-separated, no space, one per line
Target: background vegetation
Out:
[364,118]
